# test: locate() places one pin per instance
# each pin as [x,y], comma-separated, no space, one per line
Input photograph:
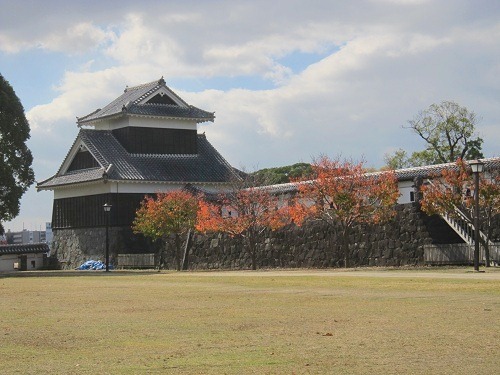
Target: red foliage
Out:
[172,213]
[451,189]
[342,192]
[489,196]
[244,212]
[169,213]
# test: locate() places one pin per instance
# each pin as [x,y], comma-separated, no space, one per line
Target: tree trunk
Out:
[253,251]
[486,244]
[178,251]
[345,246]
[185,259]
[487,254]
[254,259]
[161,254]
[489,232]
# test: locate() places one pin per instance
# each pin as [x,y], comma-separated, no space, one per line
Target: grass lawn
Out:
[264,322]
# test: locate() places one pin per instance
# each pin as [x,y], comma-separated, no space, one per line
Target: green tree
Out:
[400,159]
[16,174]
[449,132]
[281,175]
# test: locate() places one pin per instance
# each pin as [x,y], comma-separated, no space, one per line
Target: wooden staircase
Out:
[462,225]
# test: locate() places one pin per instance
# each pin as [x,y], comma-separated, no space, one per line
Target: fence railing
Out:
[136,260]
[458,254]
[461,224]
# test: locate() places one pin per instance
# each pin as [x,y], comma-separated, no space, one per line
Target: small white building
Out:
[28,257]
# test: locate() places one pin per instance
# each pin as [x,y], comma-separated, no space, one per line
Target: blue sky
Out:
[288,80]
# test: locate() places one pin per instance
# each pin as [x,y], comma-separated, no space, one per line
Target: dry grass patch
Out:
[251,322]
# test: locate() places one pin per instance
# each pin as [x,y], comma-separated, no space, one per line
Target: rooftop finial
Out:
[161,81]
[126,88]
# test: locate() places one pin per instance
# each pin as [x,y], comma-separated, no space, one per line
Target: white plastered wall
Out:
[129,187]
[146,122]
[8,261]
[405,190]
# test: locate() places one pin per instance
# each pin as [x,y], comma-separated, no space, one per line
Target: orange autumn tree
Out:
[451,193]
[245,212]
[489,203]
[169,214]
[342,194]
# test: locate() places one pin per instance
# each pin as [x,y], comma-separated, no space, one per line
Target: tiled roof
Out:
[170,110]
[407,174]
[129,103]
[24,248]
[207,166]
[432,170]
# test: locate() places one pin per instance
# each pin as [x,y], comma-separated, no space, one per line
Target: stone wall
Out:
[399,242]
[315,245]
[72,247]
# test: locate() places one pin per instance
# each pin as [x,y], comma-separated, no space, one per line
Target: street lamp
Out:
[107,210]
[477,167]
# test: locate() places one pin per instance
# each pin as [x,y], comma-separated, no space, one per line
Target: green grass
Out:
[269,322]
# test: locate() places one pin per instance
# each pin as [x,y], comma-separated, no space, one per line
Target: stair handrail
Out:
[466,236]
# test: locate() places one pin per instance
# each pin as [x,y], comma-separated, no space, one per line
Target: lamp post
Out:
[477,167]
[107,210]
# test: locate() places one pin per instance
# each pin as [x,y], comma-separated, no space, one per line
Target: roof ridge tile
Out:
[132,96]
[141,86]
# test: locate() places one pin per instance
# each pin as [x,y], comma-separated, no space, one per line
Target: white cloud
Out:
[92,87]
[279,74]
[350,86]
[10,45]
[387,60]
[79,38]
[138,43]
[402,2]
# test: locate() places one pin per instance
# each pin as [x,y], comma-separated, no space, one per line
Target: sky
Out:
[288,80]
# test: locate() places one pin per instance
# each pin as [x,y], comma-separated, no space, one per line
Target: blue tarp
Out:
[93,265]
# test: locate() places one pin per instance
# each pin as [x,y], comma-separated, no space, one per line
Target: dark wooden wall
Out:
[83,160]
[161,99]
[88,211]
[157,141]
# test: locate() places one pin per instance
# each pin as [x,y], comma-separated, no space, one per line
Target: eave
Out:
[198,120]
[137,182]
[69,185]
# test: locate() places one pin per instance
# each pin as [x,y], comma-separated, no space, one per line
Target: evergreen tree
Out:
[281,175]
[16,174]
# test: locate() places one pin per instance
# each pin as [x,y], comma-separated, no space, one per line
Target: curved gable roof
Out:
[207,166]
[134,101]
